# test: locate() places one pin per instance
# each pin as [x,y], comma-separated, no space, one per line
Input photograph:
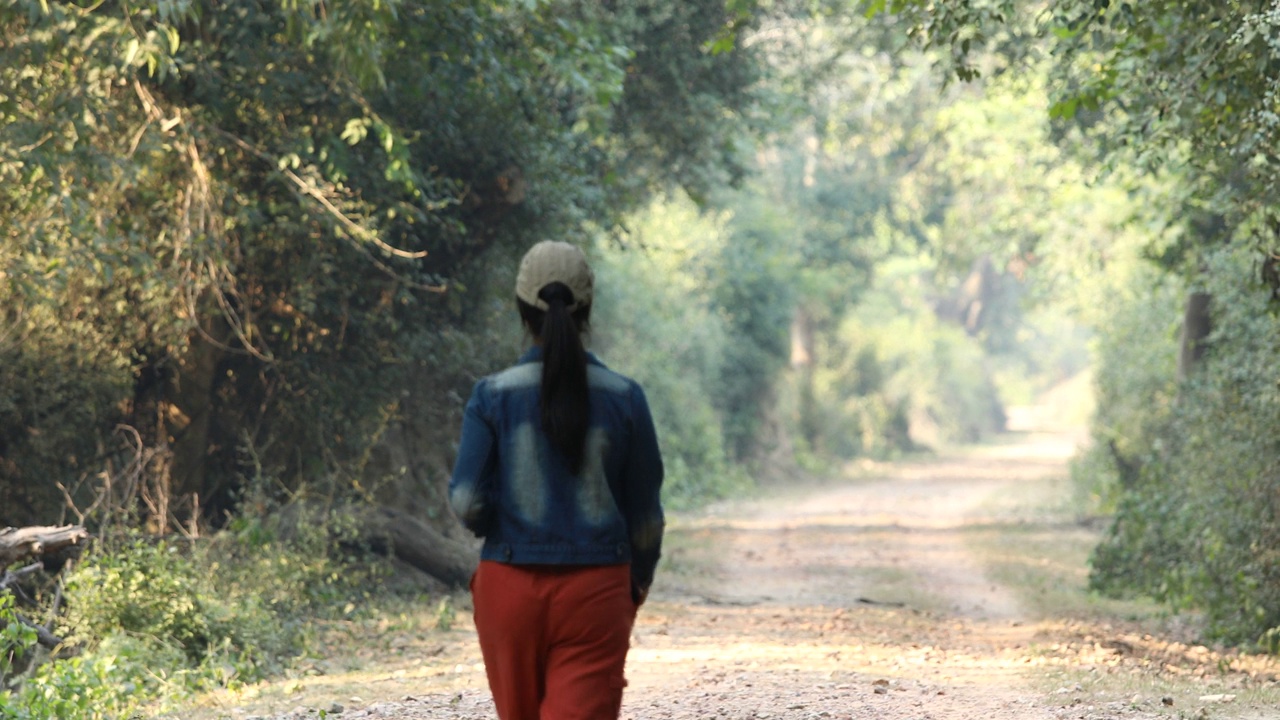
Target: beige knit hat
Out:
[554,261]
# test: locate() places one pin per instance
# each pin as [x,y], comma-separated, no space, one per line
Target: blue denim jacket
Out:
[512,488]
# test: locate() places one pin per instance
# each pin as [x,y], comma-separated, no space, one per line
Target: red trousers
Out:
[554,638]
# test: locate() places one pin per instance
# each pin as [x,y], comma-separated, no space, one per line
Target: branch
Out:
[345,221]
[348,223]
[19,544]
[9,578]
[43,636]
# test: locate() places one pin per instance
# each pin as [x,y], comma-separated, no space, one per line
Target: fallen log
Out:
[47,545]
[418,544]
[18,544]
[393,532]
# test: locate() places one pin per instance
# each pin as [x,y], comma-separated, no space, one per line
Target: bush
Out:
[16,639]
[896,377]
[101,687]
[1198,522]
[147,590]
[656,322]
[1136,352]
[162,618]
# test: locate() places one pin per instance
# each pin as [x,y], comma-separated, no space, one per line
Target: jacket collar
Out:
[534,354]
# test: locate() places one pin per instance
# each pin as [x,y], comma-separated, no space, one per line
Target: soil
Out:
[870,595]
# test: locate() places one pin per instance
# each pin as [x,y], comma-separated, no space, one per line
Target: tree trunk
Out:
[190,407]
[803,362]
[1197,323]
[971,303]
[17,544]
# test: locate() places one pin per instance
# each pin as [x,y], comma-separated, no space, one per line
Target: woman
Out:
[559,471]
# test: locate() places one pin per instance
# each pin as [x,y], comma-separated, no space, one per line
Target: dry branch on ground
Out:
[48,546]
[18,544]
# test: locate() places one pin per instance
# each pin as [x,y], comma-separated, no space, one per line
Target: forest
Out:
[254,254]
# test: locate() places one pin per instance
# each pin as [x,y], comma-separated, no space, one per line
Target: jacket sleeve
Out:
[472,485]
[642,489]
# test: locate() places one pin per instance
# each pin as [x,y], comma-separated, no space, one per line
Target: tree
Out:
[246,242]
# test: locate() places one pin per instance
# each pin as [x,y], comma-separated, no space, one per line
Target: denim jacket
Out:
[512,488]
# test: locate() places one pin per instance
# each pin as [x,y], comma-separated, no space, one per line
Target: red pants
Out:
[554,638]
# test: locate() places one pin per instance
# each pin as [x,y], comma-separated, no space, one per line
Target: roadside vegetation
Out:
[253,256]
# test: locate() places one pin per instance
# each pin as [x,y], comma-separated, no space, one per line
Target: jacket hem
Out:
[535,554]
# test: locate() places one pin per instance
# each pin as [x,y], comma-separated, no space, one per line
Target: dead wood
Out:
[9,579]
[419,544]
[44,545]
[393,532]
[18,544]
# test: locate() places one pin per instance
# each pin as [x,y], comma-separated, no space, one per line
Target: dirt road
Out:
[859,600]
[883,595]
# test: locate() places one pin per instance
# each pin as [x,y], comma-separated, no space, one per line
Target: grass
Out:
[1131,655]
[397,646]
[1047,567]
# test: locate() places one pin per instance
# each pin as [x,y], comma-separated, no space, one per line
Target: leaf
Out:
[174,39]
[355,131]
[722,44]
[1064,110]
[131,51]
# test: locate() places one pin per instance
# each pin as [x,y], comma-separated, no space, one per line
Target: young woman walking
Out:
[559,471]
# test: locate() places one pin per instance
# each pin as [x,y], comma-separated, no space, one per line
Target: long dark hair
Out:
[565,403]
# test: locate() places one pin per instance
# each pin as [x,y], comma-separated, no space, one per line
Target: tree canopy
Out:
[242,226]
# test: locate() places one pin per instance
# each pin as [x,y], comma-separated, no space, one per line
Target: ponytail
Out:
[565,403]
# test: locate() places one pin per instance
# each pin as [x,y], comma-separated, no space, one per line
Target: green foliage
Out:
[147,590]
[963,33]
[155,620]
[102,687]
[1187,86]
[754,280]
[899,378]
[822,265]
[241,230]
[1135,352]
[16,638]
[1007,237]
[657,321]
[1198,523]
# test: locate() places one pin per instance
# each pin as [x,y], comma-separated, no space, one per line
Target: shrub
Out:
[1136,352]
[159,619]
[655,321]
[895,377]
[16,639]
[1198,522]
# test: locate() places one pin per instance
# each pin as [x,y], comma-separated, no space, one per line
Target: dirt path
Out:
[861,600]
[867,598]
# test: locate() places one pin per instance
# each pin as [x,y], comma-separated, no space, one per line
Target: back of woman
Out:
[559,471]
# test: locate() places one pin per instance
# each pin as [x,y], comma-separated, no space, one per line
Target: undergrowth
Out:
[1190,466]
[151,622]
